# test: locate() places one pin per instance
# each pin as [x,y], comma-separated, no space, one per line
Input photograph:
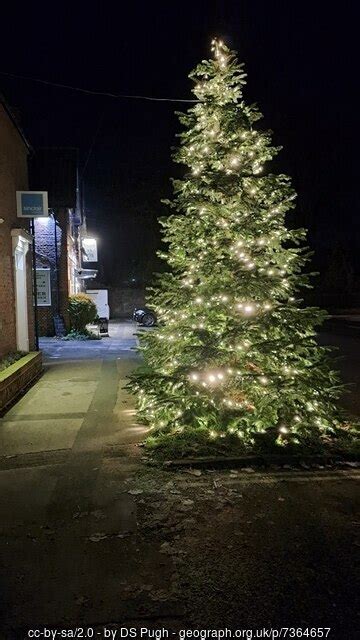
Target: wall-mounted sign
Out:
[43,288]
[89,246]
[32,204]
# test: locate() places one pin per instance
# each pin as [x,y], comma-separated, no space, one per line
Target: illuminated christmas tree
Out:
[235,354]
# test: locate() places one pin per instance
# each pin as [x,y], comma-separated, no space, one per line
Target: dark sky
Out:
[301,62]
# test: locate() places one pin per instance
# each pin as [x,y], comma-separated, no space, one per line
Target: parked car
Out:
[144,316]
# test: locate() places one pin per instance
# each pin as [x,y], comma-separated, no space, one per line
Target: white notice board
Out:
[43,287]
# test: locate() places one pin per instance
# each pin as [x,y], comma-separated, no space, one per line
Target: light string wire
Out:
[93,92]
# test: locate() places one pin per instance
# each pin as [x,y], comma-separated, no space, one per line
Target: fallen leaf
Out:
[96,537]
[159,595]
[98,514]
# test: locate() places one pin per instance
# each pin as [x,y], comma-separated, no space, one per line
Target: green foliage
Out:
[82,311]
[235,355]
[12,357]
[80,335]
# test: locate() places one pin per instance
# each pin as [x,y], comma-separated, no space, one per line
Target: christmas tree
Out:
[235,353]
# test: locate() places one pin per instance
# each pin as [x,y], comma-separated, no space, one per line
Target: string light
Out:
[249,309]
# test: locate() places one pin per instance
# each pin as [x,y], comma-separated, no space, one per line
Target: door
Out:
[100,297]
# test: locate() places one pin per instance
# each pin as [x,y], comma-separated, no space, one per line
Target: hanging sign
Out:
[89,246]
[43,288]
[32,204]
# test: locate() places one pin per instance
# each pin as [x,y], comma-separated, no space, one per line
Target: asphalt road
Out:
[344,335]
[90,536]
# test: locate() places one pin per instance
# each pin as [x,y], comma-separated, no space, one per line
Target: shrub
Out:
[82,311]
[84,335]
[10,359]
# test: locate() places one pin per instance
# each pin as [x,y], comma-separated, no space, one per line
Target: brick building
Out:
[58,238]
[17,329]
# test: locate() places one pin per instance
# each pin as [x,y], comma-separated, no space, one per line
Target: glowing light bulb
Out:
[194,376]
[284,429]
[249,309]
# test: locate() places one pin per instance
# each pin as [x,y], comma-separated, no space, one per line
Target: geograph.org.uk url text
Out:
[182,634]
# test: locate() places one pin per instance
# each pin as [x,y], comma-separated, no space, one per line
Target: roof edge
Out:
[15,121]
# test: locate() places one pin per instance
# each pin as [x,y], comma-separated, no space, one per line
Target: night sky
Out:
[300,58]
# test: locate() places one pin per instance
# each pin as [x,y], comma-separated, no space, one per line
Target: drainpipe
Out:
[36,319]
[56,267]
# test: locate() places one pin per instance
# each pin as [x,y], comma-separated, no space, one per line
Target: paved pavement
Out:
[121,339]
[80,403]
[89,536]
[54,446]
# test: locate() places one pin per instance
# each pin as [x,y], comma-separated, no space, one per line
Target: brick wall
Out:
[61,264]
[46,259]
[13,177]
[122,301]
